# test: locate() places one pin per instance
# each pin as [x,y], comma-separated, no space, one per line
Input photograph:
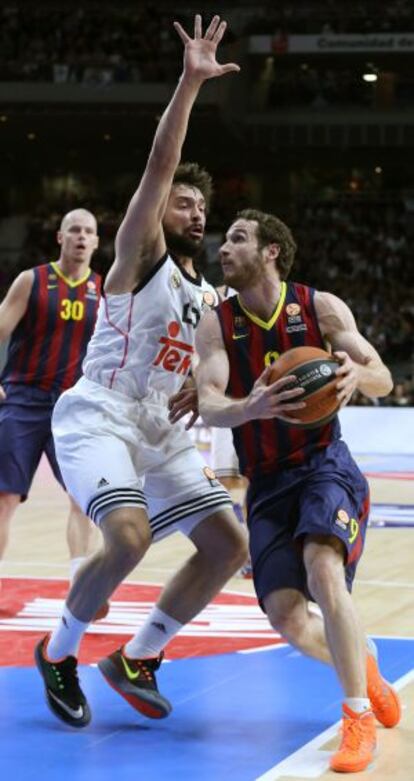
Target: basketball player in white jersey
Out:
[133,472]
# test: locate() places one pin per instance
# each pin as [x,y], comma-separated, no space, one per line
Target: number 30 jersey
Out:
[48,345]
[144,340]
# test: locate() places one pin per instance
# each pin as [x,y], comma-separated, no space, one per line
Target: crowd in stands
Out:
[314,17]
[101,43]
[361,250]
[306,86]
[87,44]
[355,248]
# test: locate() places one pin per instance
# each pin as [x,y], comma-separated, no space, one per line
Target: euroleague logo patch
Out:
[31,607]
[208,300]
[294,318]
[292,309]
[342,519]
[211,476]
[91,291]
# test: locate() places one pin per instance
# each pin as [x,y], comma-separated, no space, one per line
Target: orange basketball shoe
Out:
[383,697]
[358,742]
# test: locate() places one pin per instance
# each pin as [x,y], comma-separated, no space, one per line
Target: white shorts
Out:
[223,455]
[114,451]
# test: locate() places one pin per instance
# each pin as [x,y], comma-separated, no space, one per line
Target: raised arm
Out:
[140,240]
[361,366]
[212,376]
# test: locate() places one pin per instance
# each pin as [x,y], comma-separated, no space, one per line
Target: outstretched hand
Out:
[200,52]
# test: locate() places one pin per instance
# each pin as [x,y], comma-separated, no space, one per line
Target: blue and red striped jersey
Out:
[264,446]
[48,345]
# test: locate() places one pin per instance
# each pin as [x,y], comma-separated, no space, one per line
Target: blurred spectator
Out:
[101,44]
[402,395]
[357,249]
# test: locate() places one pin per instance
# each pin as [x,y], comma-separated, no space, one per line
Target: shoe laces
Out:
[66,676]
[379,692]
[149,666]
[354,732]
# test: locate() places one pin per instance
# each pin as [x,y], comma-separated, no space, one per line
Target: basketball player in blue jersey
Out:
[48,317]
[138,476]
[307,500]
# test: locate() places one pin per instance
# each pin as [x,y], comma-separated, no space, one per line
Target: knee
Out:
[223,541]
[325,575]
[287,622]
[127,542]
[234,549]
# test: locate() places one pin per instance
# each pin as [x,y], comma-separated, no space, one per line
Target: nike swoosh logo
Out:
[130,673]
[51,287]
[76,714]
[239,336]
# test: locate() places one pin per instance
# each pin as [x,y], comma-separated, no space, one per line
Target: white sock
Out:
[74,565]
[358,704]
[65,639]
[153,636]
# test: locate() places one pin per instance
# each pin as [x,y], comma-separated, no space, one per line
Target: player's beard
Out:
[246,276]
[181,245]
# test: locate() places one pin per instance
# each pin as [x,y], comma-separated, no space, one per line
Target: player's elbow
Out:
[387,384]
[381,386]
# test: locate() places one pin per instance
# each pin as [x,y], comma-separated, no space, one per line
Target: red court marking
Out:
[19,594]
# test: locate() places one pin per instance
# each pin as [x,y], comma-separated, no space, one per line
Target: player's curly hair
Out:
[271,230]
[195,176]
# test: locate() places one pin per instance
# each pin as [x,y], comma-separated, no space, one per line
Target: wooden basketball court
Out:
[384,592]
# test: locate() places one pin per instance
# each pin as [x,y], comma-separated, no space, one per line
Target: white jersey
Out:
[144,340]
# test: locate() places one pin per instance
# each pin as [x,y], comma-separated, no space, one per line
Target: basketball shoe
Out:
[383,697]
[358,742]
[134,680]
[63,693]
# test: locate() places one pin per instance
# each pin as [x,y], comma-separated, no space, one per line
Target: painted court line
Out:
[311,761]
[260,648]
[42,564]
[384,583]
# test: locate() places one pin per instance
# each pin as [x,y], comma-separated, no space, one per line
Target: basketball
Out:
[314,370]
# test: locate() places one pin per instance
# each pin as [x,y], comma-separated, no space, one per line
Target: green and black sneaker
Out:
[63,693]
[134,680]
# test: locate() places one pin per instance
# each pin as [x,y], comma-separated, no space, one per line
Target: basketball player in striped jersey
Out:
[48,316]
[138,476]
[307,500]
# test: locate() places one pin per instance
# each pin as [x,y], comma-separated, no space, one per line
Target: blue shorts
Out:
[25,433]
[327,496]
